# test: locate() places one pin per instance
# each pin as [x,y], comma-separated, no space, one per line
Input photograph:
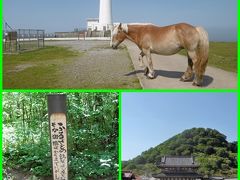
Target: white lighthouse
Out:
[104,23]
[105,14]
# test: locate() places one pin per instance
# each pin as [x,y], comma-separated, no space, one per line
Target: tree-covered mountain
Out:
[215,155]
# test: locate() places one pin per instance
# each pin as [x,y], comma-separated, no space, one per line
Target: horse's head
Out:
[118,36]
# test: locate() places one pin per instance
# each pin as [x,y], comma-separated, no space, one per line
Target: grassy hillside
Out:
[222,55]
[215,155]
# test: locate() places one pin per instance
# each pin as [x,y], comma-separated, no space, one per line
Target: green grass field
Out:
[42,68]
[222,55]
[35,69]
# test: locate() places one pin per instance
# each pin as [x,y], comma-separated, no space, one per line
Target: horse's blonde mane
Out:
[125,28]
[141,24]
[115,30]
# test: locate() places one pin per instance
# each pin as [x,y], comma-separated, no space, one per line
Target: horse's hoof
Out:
[146,71]
[182,79]
[185,79]
[196,84]
[151,76]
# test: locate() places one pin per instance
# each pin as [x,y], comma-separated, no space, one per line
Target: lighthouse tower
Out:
[105,15]
[102,26]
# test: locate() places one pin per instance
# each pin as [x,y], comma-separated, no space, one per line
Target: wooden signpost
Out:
[58,135]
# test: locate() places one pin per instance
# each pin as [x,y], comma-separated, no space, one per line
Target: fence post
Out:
[37,39]
[58,135]
[19,41]
[43,37]
[16,42]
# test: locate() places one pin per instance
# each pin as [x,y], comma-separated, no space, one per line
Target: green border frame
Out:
[123,90]
[120,137]
[1,90]
[238,135]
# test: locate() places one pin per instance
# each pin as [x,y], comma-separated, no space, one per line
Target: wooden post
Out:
[43,37]
[58,135]
[38,38]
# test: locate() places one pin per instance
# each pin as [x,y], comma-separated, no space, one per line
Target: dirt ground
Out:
[13,174]
[99,67]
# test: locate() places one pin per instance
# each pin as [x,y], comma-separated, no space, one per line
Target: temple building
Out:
[128,175]
[178,168]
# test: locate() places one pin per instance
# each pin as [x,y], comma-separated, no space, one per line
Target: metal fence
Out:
[15,41]
[98,33]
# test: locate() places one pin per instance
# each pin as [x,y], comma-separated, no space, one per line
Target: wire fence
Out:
[15,41]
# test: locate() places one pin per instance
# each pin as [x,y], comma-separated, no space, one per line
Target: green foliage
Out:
[209,150]
[92,134]
[213,153]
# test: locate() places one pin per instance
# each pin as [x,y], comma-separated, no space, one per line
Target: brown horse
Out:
[167,40]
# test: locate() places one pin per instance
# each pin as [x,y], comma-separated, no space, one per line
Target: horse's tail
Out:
[202,51]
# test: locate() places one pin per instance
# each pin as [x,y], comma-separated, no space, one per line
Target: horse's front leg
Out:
[149,70]
[141,55]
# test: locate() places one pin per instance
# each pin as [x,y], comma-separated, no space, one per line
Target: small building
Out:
[93,24]
[95,29]
[178,168]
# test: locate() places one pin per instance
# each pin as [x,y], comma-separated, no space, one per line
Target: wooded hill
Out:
[215,155]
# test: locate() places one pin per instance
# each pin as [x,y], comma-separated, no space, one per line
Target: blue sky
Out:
[149,119]
[219,17]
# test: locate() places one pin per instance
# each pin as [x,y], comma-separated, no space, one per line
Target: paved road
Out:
[169,69]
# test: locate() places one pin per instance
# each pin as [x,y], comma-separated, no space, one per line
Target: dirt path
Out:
[98,67]
[169,69]
[13,174]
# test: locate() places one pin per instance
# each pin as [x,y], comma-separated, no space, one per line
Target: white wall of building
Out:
[105,17]
[93,25]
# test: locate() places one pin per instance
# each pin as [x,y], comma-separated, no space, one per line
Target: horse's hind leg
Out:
[187,76]
[198,79]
